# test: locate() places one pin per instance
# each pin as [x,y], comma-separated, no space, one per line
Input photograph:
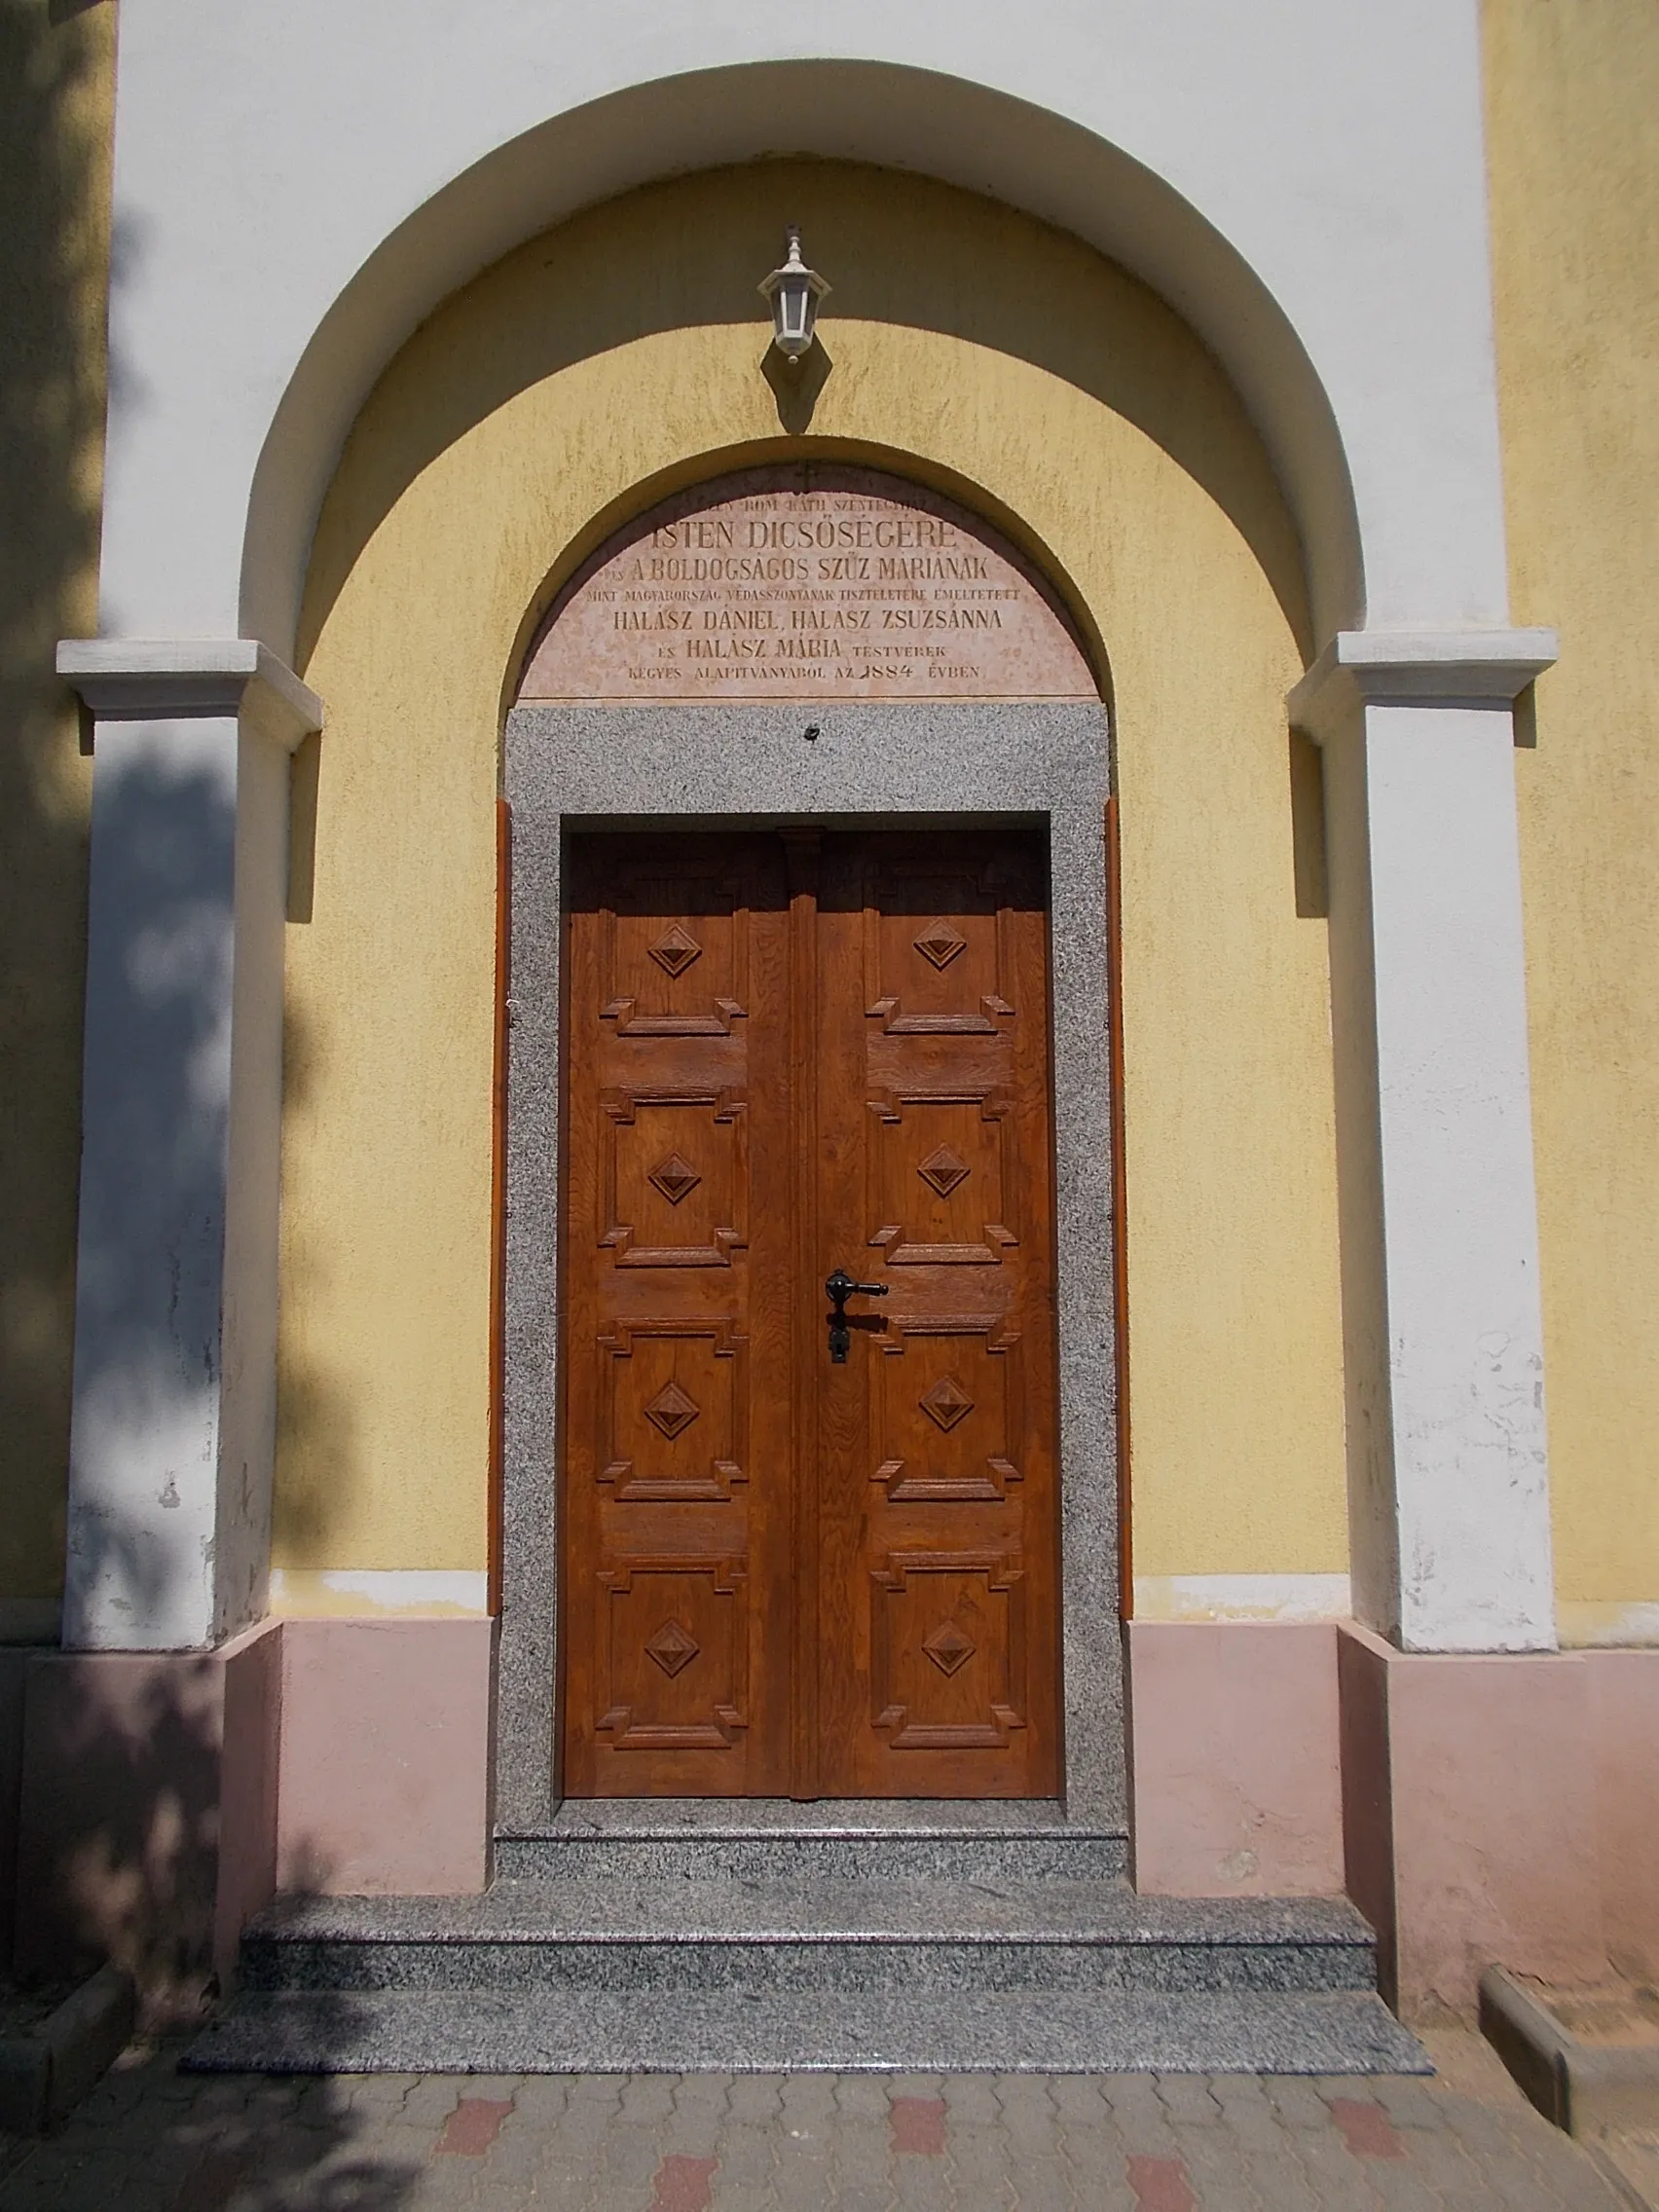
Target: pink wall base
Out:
[1237,1789]
[146,1825]
[1479,1811]
[1624,1720]
[1472,1822]
[164,1796]
[385,1786]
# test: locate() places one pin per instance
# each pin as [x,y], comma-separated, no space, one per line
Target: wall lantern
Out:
[793,292]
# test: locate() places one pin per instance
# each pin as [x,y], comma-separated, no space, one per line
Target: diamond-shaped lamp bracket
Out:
[940,942]
[942,1170]
[673,1647]
[947,1403]
[673,1177]
[671,1412]
[948,1647]
[675,950]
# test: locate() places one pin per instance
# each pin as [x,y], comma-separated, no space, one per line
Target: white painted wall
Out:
[265,156]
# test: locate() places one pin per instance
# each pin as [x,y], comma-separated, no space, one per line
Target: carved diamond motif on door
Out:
[671,1411]
[675,950]
[652,1698]
[962,985]
[945,1403]
[940,943]
[948,1647]
[921,1374]
[942,1171]
[675,1177]
[674,1647]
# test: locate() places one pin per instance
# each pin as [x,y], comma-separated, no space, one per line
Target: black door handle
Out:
[839,1288]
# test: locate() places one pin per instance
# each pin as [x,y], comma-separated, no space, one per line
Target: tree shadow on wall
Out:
[149,1839]
[122,1822]
[161,1537]
[148,1544]
[56,77]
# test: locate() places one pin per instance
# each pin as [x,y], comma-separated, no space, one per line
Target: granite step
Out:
[731,2030]
[772,1938]
[765,1840]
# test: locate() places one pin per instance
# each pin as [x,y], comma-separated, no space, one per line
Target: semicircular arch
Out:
[924,274]
[1028,158]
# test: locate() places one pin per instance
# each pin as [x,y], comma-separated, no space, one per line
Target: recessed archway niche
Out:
[809,647]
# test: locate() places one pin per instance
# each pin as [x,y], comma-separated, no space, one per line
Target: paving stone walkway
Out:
[150,2139]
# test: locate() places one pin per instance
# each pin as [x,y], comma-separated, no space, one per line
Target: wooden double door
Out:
[785,1573]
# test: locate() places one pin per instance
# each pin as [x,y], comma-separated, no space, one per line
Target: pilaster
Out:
[175,1321]
[1449,1488]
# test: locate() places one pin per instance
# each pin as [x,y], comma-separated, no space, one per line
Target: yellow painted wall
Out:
[57,82]
[1572,101]
[525,416]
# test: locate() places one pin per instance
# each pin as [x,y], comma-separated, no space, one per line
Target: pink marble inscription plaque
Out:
[810,584]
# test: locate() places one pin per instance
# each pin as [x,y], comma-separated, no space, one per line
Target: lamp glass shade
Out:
[792,292]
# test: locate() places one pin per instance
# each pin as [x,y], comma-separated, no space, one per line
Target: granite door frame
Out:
[570,768]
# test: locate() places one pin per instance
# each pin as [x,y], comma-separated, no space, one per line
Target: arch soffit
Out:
[942,128]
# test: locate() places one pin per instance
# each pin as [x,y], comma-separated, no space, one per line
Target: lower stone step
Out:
[727,2031]
[889,1938]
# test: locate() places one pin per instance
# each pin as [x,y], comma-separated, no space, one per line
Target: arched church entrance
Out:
[796,764]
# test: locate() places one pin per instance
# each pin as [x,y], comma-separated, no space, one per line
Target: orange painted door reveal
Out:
[786,1574]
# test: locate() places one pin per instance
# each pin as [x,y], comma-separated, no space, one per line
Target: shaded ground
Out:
[153,2140]
[24,2007]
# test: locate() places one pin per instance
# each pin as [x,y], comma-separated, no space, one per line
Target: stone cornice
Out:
[1417,667]
[168,679]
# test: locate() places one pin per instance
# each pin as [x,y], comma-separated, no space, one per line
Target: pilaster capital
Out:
[1467,668]
[129,679]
